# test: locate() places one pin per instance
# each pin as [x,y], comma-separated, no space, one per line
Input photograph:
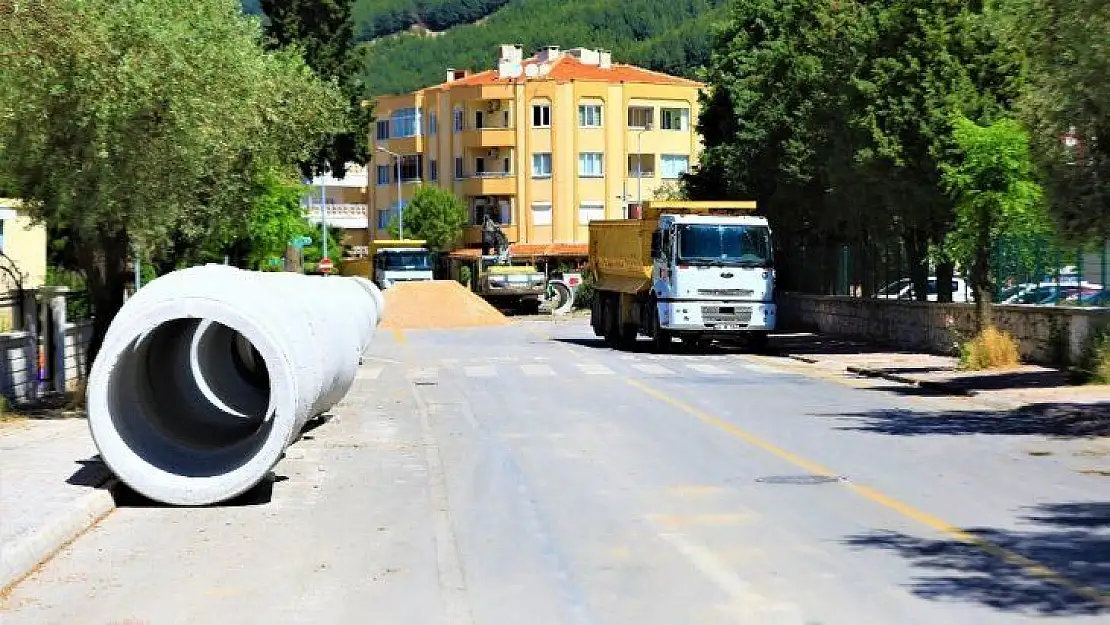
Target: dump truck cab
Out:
[713,274]
[696,271]
[395,261]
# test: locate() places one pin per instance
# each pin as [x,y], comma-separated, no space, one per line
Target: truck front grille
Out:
[726,314]
[726,292]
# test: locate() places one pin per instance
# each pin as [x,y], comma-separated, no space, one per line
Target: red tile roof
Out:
[567,68]
[531,249]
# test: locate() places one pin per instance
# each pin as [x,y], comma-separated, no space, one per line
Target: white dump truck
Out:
[696,271]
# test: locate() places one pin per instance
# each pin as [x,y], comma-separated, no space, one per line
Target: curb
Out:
[20,556]
[805,359]
[941,387]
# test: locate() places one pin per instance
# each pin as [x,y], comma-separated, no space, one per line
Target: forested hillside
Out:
[409,43]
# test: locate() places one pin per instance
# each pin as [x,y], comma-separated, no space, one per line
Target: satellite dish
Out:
[531,71]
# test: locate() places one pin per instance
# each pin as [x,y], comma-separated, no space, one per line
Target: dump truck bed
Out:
[620,249]
[620,254]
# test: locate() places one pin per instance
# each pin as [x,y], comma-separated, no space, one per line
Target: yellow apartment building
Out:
[543,145]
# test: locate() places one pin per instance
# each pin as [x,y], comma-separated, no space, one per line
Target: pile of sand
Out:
[437,304]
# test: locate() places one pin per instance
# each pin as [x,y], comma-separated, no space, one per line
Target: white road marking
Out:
[652,369]
[480,371]
[703,367]
[422,373]
[537,370]
[756,368]
[593,369]
[368,373]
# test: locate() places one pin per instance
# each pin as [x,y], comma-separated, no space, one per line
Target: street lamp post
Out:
[400,206]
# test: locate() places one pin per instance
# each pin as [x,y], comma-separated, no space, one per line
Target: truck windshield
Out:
[400,261]
[743,246]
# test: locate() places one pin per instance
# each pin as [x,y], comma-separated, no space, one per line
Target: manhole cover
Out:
[801,479]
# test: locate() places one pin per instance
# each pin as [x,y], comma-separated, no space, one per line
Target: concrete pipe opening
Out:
[192,412]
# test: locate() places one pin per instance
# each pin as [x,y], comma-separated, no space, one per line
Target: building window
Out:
[500,213]
[383,129]
[589,115]
[541,213]
[674,165]
[641,165]
[675,119]
[412,168]
[590,165]
[458,168]
[541,115]
[383,219]
[383,174]
[1,235]
[590,211]
[433,170]
[541,165]
[432,125]
[405,123]
[458,120]
[640,116]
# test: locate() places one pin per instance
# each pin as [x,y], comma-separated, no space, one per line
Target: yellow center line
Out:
[1027,564]
[399,336]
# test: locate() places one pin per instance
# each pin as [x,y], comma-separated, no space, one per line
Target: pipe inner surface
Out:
[192,397]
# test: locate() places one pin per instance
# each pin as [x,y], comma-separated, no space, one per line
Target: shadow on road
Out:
[1066,543]
[261,494]
[1064,420]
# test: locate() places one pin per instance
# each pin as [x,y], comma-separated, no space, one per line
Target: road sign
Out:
[300,242]
[324,265]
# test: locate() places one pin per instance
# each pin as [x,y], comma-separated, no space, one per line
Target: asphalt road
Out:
[528,474]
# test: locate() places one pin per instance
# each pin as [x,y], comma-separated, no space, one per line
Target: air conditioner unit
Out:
[494,105]
[493,153]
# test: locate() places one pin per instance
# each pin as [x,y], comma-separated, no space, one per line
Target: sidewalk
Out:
[52,488]
[1010,389]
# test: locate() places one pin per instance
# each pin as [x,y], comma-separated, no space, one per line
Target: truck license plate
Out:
[728,326]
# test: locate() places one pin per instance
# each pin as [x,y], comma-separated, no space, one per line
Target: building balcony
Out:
[488,137]
[490,183]
[348,216]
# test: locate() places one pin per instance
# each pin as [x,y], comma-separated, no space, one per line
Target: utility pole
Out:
[400,206]
[323,217]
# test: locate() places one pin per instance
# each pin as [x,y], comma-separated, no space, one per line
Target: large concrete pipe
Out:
[207,374]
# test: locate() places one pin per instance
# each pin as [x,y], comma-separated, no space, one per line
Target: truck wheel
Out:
[612,320]
[597,319]
[660,338]
[757,341]
[628,334]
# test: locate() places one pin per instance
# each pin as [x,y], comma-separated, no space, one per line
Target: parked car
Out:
[903,289]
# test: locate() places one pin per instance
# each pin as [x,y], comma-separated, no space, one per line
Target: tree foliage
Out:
[1067,48]
[665,36]
[146,125]
[435,215]
[323,30]
[993,185]
[835,115]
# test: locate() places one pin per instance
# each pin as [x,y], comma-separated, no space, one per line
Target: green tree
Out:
[323,29]
[276,217]
[1067,91]
[435,215]
[144,128]
[995,194]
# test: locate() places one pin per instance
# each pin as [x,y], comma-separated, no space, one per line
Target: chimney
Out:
[547,54]
[586,56]
[509,62]
[456,74]
[605,59]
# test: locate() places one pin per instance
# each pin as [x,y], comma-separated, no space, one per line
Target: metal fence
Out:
[1038,271]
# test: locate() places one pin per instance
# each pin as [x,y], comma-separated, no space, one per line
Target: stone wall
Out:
[77,340]
[18,366]
[1050,335]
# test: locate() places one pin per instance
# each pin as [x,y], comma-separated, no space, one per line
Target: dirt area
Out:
[437,304]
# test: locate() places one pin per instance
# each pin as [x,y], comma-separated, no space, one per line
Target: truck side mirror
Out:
[656,240]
